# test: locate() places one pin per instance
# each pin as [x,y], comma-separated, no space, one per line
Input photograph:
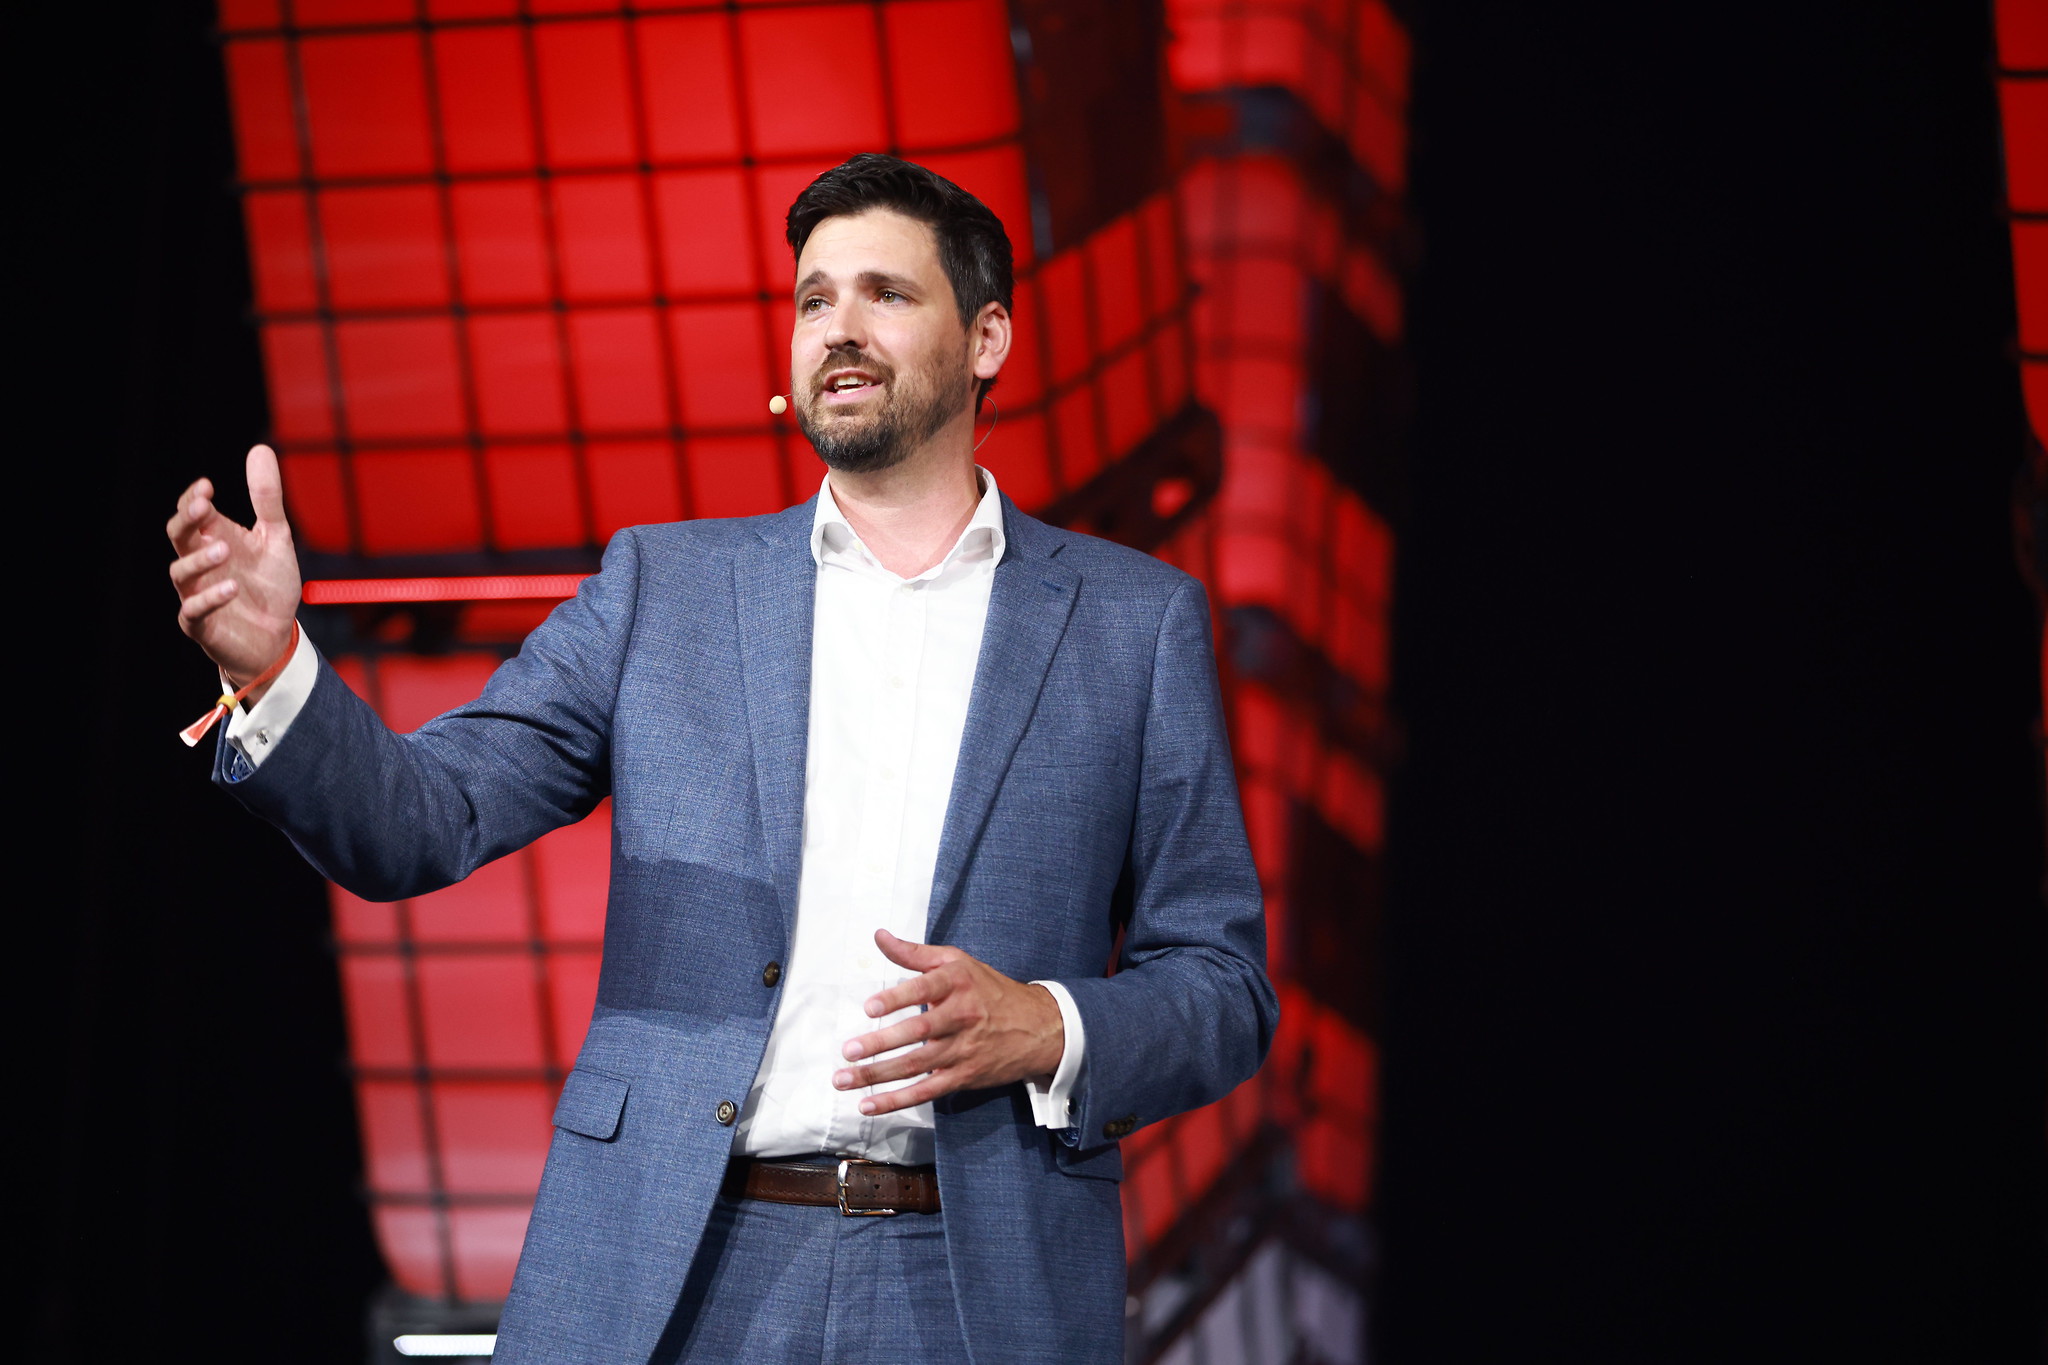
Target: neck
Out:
[910,514]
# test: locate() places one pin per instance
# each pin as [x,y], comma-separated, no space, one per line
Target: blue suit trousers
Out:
[777,1284]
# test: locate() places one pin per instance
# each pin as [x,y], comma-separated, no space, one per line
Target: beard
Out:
[914,407]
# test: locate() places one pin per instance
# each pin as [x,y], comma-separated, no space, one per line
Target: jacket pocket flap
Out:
[591,1104]
[1101,1163]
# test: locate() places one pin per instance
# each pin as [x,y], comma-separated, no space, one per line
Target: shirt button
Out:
[893,682]
[726,1112]
[771,974]
[907,588]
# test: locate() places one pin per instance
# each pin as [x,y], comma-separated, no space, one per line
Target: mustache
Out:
[850,358]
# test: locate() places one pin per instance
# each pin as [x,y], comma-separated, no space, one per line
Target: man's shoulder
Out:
[716,537]
[1107,564]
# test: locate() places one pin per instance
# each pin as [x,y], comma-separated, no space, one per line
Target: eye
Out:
[812,304]
[891,296]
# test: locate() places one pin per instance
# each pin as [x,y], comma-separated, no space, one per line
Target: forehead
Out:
[877,239]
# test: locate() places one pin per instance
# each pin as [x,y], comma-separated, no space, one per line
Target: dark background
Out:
[1715,953]
[1715,946]
[202,1173]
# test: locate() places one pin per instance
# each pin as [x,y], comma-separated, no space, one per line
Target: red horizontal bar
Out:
[502,587]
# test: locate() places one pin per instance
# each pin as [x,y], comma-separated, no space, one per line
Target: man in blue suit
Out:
[895,774]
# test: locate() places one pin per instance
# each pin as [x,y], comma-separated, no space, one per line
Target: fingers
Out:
[266,485]
[924,1092]
[928,1035]
[916,1062]
[933,985]
[919,957]
[210,555]
[195,514]
[928,989]
[916,1029]
[206,602]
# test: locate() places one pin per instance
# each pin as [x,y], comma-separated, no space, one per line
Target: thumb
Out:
[266,485]
[919,957]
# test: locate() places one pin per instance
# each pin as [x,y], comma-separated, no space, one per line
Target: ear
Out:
[988,339]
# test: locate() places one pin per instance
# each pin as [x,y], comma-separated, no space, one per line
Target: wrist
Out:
[232,697]
[1051,1031]
[252,679]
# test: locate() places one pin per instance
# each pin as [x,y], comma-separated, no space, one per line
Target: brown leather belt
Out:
[857,1188]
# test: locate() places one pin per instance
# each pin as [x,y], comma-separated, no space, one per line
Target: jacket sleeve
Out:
[1189,1013]
[389,815]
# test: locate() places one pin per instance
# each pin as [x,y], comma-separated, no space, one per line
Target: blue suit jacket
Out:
[1094,792]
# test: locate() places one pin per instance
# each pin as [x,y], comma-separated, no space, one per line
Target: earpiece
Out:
[778,405]
[995,414]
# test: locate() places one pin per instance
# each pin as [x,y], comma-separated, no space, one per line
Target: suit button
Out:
[1117,1128]
[726,1112]
[771,974]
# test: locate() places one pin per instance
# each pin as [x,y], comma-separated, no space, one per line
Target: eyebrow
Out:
[867,279]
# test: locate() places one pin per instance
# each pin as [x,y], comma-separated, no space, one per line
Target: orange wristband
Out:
[196,731]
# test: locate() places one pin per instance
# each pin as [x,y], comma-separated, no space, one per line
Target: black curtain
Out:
[190,1123]
[1715,947]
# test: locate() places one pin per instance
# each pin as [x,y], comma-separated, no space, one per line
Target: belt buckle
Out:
[858,1213]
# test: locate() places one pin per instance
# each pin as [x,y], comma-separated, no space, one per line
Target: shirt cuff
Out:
[1052,1096]
[258,729]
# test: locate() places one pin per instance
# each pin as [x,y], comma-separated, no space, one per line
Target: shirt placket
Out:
[886,793]
[871,868]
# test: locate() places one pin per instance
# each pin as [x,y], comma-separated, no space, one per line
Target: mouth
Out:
[848,386]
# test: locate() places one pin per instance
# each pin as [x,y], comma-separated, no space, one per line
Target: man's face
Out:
[879,361]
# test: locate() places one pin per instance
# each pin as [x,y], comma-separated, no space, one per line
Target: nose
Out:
[847,326]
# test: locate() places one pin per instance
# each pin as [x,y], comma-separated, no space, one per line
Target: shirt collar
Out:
[983,538]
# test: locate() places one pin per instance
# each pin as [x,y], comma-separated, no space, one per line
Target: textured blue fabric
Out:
[776,1282]
[1094,791]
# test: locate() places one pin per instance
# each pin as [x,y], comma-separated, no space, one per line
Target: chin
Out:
[859,458]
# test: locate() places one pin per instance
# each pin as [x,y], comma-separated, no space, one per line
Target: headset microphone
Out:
[778,405]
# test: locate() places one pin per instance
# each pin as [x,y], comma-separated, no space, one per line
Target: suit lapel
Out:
[775,585]
[1028,608]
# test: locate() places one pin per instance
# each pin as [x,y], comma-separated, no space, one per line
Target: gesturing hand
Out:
[238,586]
[981,1029]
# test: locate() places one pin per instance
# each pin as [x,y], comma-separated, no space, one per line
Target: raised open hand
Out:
[238,585]
[979,1029]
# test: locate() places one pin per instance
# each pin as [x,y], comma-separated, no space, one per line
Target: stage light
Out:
[493,588]
[472,1346]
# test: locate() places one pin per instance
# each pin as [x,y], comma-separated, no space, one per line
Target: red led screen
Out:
[523,282]
[1292,541]
[465,1009]
[1346,61]
[2023,104]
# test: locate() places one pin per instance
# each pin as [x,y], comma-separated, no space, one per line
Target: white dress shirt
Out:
[892,668]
